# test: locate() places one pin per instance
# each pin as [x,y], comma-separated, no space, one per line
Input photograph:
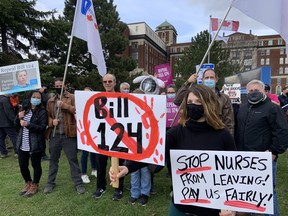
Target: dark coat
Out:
[262,127]
[7,113]
[37,127]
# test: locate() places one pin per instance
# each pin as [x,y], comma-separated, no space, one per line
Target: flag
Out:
[272,13]
[228,26]
[85,27]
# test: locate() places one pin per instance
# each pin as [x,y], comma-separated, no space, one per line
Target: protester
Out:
[200,128]
[140,182]
[261,126]
[283,98]
[109,83]
[171,91]
[32,121]
[124,87]
[64,137]
[273,97]
[7,116]
[210,79]
[84,159]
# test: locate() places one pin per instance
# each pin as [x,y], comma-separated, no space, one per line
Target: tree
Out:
[193,56]
[21,26]
[81,70]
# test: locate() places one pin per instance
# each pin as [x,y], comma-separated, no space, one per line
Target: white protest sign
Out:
[128,126]
[239,181]
[19,78]
[234,92]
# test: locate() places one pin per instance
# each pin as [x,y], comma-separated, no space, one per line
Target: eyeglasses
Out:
[107,81]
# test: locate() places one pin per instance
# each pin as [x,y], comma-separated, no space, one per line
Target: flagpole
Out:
[209,38]
[203,59]
[66,68]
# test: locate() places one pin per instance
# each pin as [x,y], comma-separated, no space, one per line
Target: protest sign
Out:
[239,181]
[234,92]
[171,110]
[163,72]
[19,78]
[128,126]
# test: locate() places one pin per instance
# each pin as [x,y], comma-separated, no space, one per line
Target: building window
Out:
[262,61]
[268,52]
[270,42]
[267,61]
[282,51]
[286,60]
[281,60]
[281,70]
[262,52]
[286,70]
[280,41]
[260,43]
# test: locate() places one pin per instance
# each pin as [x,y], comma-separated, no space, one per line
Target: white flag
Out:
[272,13]
[85,27]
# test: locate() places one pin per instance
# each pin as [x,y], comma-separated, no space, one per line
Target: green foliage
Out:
[193,56]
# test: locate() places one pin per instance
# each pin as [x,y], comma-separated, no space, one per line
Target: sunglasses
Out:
[107,81]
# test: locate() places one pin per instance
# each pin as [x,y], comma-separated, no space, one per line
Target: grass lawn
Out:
[65,201]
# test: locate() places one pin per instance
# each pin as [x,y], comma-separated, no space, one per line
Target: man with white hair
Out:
[261,126]
[124,87]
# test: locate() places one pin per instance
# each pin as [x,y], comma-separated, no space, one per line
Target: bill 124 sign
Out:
[128,126]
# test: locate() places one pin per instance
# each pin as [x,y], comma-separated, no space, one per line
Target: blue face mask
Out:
[35,101]
[210,83]
[171,95]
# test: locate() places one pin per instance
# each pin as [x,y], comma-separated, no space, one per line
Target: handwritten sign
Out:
[171,110]
[128,126]
[239,181]
[19,78]
[234,92]
[163,72]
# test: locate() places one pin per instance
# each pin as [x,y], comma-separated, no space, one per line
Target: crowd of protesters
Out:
[44,118]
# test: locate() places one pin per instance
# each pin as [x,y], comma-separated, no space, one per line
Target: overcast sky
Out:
[189,17]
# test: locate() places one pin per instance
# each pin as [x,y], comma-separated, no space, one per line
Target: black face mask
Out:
[195,111]
[255,97]
[58,90]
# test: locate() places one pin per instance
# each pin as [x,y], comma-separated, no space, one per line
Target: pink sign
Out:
[171,110]
[163,72]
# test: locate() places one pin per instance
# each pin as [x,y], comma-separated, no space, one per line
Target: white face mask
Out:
[171,95]
[125,91]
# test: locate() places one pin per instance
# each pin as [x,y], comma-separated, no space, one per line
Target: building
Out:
[150,48]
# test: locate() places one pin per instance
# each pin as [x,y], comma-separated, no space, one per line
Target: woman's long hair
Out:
[210,103]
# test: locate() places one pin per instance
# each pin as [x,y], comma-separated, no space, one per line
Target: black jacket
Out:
[7,113]
[262,127]
[37,128]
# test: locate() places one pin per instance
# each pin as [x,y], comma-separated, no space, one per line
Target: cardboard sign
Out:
[234,92]
[19,78]
[128,126]
[171,110]
[164,73]
[238,181]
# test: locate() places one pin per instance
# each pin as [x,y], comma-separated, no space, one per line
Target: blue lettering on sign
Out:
[86,4]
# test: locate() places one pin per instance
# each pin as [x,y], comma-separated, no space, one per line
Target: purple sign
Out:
[171,110]
[163,72]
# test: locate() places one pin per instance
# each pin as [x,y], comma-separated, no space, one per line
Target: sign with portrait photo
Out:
[19,78]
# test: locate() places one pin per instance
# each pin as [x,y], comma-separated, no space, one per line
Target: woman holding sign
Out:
[200,128]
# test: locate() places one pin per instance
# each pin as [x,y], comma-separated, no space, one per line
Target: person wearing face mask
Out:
[261,126]
[65,136]
[32,121]
[210,79]
[200,128]
[124,87]
[171,91]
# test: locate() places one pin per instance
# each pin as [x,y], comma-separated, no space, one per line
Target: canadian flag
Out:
[228,25]
[85,27]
